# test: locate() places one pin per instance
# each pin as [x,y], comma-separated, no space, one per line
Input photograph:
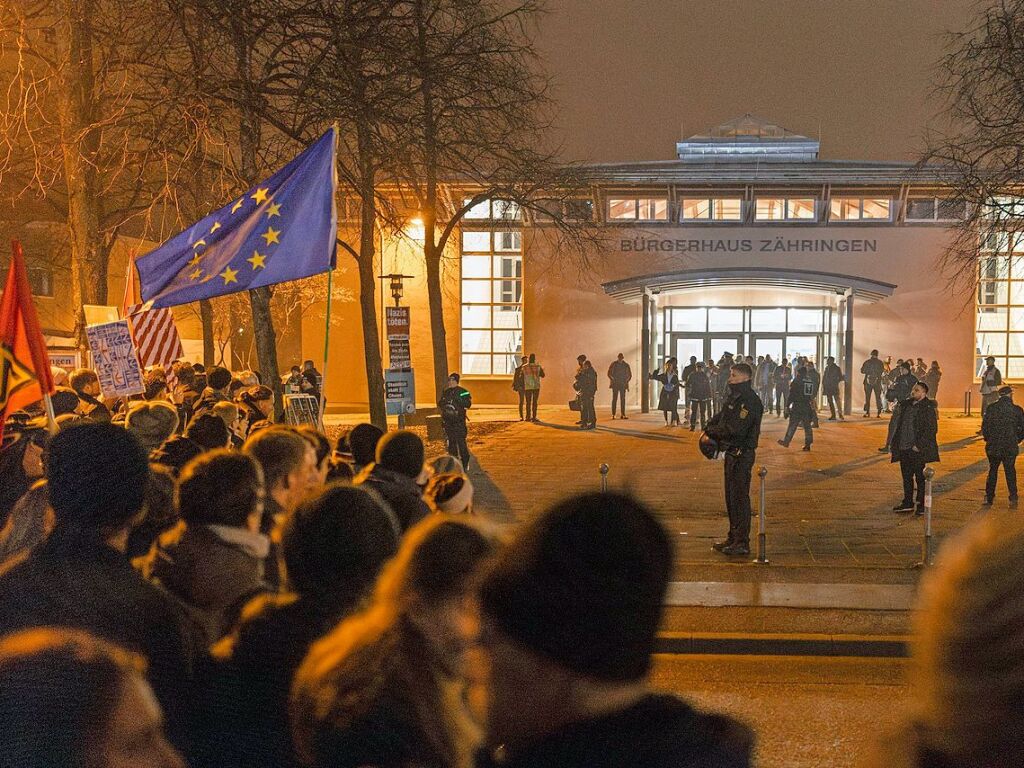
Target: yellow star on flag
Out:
[215,227]
[258,260]
[229,275]
[236,206]
[194,260]
[195,274]
[260,196]
[273,210]
[271,235]
[198,243]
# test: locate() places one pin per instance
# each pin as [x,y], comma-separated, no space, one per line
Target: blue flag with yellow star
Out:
[283,229]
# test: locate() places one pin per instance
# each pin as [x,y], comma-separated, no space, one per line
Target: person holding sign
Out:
[454,403]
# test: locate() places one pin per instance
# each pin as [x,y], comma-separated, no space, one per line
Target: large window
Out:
[860,208]
[1000,305]
[637,209]
[711,209]
[493,210]
[784,209]
[492,302]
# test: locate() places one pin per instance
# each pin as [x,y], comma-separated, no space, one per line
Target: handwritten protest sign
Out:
[114,358]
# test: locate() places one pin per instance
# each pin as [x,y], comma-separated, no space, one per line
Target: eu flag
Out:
[282,229]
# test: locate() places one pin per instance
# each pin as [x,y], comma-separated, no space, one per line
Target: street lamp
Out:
[395,285]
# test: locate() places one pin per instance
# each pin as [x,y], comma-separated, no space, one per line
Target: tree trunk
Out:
[206,317]
[435,299]
[368,286]
[79,144]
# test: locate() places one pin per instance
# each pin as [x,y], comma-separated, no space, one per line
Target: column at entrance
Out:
[848,356]
[645,353]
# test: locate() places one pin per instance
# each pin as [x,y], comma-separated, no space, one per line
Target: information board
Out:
[400,392]
[114,358]
[301,409]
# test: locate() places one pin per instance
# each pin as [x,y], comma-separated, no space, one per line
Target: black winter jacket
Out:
[1003,428]
[738,424]
[925,414]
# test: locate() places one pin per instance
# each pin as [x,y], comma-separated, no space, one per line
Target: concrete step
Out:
[789,644]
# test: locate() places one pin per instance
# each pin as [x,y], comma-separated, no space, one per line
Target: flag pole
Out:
[51,420]
[327,343]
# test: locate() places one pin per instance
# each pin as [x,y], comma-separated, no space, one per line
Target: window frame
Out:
[861,219]
[787,218]
[711,202]
[637,201]
[936,202]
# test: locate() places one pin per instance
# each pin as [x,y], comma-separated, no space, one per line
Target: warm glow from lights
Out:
[414,230]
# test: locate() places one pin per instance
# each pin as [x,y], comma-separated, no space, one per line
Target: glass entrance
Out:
[767,345]
[704,346]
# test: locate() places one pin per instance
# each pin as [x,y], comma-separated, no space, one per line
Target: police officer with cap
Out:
[1003,429]
[736,428]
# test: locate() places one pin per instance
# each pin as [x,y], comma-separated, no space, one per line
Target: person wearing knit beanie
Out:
[570,612]
[362,441]
[96,475]
[450,493]
[151,422]
[401,452]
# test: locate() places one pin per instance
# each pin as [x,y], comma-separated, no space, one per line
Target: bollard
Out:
[603,469]
[762,527]
[927,551]
[968,396]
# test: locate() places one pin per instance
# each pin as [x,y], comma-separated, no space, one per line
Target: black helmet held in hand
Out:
[708,445]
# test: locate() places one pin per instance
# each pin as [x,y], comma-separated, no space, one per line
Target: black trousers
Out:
[619,396]
[532,396]
[876,388]
[781,395]
[587,413]
[457,447]
[522,402]
[1009,470]
[912,469]
[698,406]
[795,421]
[738,470]
[834,405]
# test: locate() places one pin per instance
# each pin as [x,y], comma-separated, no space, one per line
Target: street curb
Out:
[876,646]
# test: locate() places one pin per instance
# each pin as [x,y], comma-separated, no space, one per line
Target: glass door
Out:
[804,346]
[717,344]
[767,345]
[685,346]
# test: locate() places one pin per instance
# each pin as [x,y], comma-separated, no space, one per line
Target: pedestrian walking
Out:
[801,409]
[914,445]
[586,386]
[737,428]
[873,371]
[619,376]
[830,382]
[1002,426]
[698,395]
[991,381]
[517,387]
[454,403]
[668,400]
[782,378]
[931,378]
[532,374]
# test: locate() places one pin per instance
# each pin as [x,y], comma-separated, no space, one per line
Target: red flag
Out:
[25,374]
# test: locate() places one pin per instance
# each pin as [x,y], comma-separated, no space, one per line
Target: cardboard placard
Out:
[301,409]
[115,359]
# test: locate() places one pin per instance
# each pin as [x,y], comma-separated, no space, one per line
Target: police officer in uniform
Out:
[1003,429]
[737,428]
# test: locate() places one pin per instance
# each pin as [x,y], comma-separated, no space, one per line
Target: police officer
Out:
[1003,429]
[801,409]
[873,370]
[737,428]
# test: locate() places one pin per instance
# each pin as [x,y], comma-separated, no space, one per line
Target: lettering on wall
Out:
[748,245]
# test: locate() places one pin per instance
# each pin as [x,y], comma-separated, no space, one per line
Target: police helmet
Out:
[708,445]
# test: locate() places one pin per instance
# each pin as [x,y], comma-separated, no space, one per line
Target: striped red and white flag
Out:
[153,330]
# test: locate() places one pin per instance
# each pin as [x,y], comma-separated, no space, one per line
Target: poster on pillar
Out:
[398,325]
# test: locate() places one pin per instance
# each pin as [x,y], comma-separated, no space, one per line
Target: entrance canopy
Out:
[631,289]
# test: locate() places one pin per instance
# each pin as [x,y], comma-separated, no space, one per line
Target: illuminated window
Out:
[784,209]
[638,209]
[492,302]
[494,210]
[574,209]
[935,209]
[860,208]
[999,320]
[1005,208]
[711,209]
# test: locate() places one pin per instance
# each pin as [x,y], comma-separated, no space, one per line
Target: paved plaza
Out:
[829,511]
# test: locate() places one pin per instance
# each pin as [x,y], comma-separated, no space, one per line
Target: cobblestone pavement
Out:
[805,712]
[829,510]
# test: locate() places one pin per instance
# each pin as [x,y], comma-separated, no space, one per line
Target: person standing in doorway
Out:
[619,376]
[517,387]
[931,378]
[1003,429]
[698,395]
[801,409]
[915,444]
[782,378]
[721,383]
[873,370]
[668,400]
[454,403]
[532,374]
[991,381]
[737,428]
[586,385]
[830,382]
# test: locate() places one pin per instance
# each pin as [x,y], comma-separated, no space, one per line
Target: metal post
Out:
[969,395]
[927,547]
[603,469]
[762,525]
